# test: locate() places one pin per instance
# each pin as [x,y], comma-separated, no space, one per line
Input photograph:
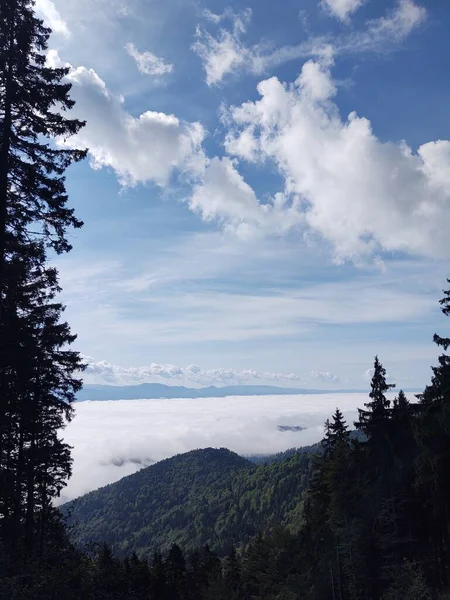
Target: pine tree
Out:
[401,404]
[37,387]
[375,457]
[195,576]
[377,411]
[158,583]
[438,392]
[336,433]
[175,569]
[109,576]
[327,440]
[338,507]
[401,511]
[33,198]
[232,576]
[37,370]
[433,434]
[339,427]
[212,571]
[138,577]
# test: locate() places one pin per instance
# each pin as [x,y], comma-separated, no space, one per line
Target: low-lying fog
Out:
[116,438]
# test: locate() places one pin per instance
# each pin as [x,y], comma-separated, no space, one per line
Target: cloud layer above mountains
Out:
[108,373]
[114,439]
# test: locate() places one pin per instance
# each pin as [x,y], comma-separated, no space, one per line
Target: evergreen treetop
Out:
[336,432]
[33,99]
[378,409]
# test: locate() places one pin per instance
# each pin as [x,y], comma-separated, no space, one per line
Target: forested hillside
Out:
[210,496]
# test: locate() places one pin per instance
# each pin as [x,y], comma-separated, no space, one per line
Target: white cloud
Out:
[139,149]
[111,438]
[382,33]
[164,302]
[147,62]
[325,376]
[360,194]
[124,11]
[168,314]
[342,8]
[224,195]
[48,11]
[105,372]
[226,52]
[227,14]
[436,158]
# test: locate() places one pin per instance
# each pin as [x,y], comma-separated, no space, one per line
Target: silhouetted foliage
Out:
[37,368]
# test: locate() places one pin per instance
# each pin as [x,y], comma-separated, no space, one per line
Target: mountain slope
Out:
[204,496]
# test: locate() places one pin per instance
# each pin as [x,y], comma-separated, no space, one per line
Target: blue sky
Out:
[266,198]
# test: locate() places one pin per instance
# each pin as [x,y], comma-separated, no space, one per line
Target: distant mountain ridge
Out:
[160,390]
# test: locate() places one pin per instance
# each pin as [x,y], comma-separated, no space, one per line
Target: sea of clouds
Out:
[116,438]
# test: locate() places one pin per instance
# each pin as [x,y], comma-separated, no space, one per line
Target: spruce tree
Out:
[37,369]
[433,435]
[327,440]
[138,577]
[438,392]
[400,515]
[342,510]
[232,576]
[375,458]
[37,387]
[175,569]
[378,409]
[336,433]
[33,98]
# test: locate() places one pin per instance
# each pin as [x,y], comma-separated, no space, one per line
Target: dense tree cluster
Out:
[37,368]
[210,496]
[382,503]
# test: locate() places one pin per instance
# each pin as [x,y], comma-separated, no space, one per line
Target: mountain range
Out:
[159,390]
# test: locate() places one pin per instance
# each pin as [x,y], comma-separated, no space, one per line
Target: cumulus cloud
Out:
[225,52]
[342,184]
[147,148]
[342,8]
[325,376]
[147,62]
[48,11]
[105,372]
[114,439]
[223,195]
[358,193]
